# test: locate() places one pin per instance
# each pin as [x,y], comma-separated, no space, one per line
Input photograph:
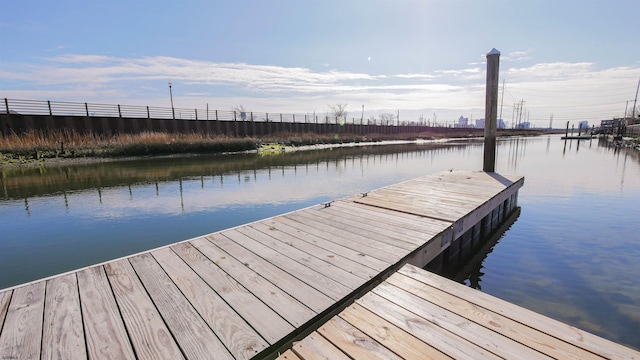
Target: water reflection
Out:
[252,176]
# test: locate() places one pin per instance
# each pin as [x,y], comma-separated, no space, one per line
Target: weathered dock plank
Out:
[191,332]
[415,314]
[148,333]
[62,333]
[302,291]
[234,330]
[24,318]
[286,306]
[105,334]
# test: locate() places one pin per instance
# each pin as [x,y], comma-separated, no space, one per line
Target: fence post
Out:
[216,115]
[6,105]
[148,114]
[280,117]
[234,115]
[196,110]
[119,111]
[49,105]
[490,111]
[86,108]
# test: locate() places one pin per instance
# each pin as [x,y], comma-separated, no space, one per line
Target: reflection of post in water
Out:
[66,201]
[548,143]
[4,189]
[26,206]
[181,197]
[467,268]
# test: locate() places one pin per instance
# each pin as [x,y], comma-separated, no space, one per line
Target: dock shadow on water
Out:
[466,268]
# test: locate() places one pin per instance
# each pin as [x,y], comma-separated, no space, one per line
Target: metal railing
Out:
[63,108]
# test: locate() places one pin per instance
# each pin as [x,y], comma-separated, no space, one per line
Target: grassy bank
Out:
[35,146]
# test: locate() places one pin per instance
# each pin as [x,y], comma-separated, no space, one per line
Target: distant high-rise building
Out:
[583,124]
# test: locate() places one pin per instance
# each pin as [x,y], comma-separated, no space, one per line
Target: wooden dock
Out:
[250,291]
[415,314]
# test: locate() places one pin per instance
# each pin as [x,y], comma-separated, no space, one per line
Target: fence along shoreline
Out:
[19,116]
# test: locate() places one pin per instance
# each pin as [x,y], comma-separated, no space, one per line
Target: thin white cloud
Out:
[546,87]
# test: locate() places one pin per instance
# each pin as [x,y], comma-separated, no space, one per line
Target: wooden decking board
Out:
[314,346]
[5,298]
[335,259]
[392,337]
[389,227]
[328,247]
[320,282]
[432,334]
[416,209]
[434,207]
[148,333]
[289,308]
[192,333]
[354,342]
[323,267]
[401,237]
[348,234]
[105,334]
[482,334]
[408,221]
[295,287]
[432,199]
[236,331]
[380,257]
[551,327]
[24,319]
[62,333]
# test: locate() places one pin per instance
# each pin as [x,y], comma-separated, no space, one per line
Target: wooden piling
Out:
[491,108]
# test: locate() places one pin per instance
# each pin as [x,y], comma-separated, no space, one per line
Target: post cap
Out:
[493,52]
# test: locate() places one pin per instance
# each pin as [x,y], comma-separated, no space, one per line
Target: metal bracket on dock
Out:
[365,194]
[328,204]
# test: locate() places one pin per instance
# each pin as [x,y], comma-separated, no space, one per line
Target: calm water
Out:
[571,255]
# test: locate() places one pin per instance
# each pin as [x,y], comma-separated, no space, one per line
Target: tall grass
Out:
[74,144]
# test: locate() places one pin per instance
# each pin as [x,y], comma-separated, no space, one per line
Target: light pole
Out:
[173,112]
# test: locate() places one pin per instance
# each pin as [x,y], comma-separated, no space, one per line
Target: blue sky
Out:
[577,60]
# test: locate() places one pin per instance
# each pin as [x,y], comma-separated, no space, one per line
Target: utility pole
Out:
[502,99]
[173,112]
[636,99]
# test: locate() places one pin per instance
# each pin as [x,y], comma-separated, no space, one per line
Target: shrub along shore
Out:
[35,148]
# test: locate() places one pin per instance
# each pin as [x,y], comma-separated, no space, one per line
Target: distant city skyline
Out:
[570,60]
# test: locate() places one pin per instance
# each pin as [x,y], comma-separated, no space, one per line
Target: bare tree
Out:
[240,110]
[339,111]
[386,118]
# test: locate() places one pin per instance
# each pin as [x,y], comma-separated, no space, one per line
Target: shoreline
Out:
[112,152]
